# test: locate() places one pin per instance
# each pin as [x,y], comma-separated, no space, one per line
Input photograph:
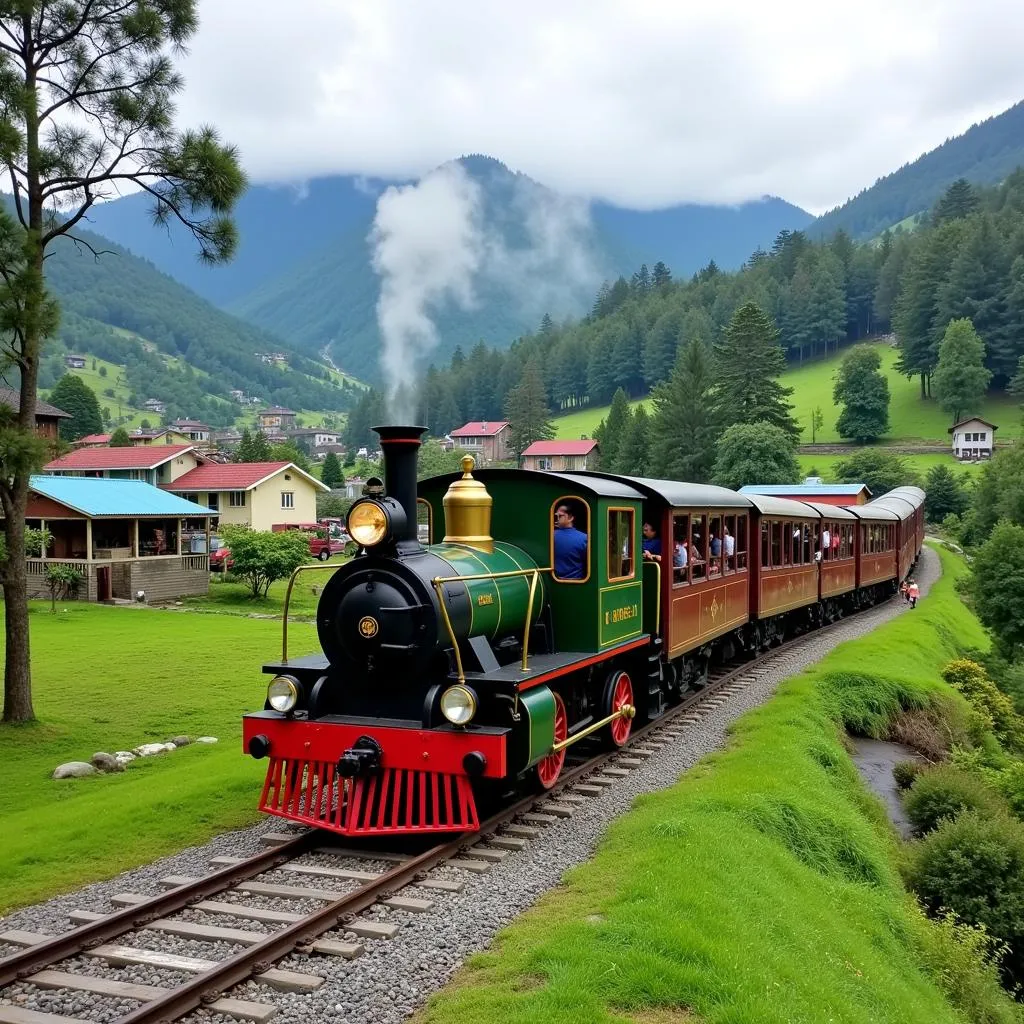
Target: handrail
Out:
[440,581]
[287,600]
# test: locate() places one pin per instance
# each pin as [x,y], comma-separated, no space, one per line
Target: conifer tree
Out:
[748,362]
[526,410]
[331,473]
[120,439]
[633,456]
[260,448]
[958,201]
[611,431]
[684,428]
[661,275]
[243,453]
[74,396]
[961,377]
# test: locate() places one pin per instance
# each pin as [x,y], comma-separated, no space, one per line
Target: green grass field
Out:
[920,463]
[759,889]
[110,679]
[910,418]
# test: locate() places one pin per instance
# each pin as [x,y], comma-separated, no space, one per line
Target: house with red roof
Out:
[152,464]
[488,440]
[261,495]
[560,456]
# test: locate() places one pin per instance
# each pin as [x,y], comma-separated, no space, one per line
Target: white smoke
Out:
[427,246]
[431,246]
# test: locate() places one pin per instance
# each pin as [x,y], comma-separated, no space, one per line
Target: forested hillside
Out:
[965,260]
[118,290]
[985,154]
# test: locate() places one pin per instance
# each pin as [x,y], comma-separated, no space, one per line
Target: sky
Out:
[643,103]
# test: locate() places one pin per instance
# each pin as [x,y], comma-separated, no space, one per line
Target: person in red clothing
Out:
[913,593]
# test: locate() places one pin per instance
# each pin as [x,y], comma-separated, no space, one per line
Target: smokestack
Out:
[400,446]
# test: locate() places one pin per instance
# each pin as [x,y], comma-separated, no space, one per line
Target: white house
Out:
[973,439]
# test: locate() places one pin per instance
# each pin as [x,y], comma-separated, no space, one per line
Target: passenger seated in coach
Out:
[652,544]
[570,546]
[680,558]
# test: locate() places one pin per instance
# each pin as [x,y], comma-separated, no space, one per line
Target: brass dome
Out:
[467,510]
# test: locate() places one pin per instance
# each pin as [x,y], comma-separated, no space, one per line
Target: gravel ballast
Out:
[393,977]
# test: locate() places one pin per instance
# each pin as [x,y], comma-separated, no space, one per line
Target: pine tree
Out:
[961,377]
[661,276]
[260,448]
[958,201]
[747,363]
[944,494]
[526,410]
[331,473]
[243,453]
[684,427]
[642,280]
[614,429]
[633,456]
[547,325]
[660,347]
[863,391]
[74,396]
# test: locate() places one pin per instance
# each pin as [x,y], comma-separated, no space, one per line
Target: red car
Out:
[220,555]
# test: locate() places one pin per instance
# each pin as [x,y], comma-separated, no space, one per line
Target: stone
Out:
[124,756]
[206,739]
[150,749]
[73,770]
[106,762]
[181,741]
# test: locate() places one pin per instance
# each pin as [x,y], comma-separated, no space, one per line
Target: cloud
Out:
[643,104]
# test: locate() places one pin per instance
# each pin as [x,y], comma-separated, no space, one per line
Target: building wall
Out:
[556,463]
[228,515]
[265,501]
[163,579]
[184,463]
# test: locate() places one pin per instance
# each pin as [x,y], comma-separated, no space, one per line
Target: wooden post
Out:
[135,549]
[179,538]
[42,527]
[88,539]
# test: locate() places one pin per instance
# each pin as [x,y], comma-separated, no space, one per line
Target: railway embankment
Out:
[764,885]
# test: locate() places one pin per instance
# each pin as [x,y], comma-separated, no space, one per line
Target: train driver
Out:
[652,544]
[570,546]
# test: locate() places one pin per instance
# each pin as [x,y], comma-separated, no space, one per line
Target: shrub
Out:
[971,679]
[261,558]
[904,772]
[944,792]
[946,722]
[973,865]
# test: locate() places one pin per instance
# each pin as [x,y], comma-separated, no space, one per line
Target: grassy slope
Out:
[112,678]
[824,464]
[910,418]
[759,888]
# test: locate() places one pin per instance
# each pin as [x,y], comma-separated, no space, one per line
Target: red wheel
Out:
[549,768]
[619,694]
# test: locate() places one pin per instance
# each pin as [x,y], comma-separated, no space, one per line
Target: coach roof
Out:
[676,493]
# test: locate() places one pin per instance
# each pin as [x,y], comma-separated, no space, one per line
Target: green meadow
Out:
[110,679]
[911,419]
[762,887]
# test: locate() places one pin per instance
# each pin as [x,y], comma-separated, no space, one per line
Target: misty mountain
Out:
[304,267]
[985,154]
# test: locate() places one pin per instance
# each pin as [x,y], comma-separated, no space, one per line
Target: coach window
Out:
[715,553]
[777,545]
[740,533]
[567,512]
[698,548]
[620,544]
[766,560]
[729,544]
[680,550]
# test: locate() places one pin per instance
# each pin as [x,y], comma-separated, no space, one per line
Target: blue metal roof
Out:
[808,489]
[95,497]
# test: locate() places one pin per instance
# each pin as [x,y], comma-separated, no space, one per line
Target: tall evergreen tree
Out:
[661,276]
[526,410]
[611,431]
[261,450]
[633,456]
[958,201]
[331,473]
[961,377]
[944,494]
[863,392]
[243,453]
[120,439]
[684,427]
[74,396]
[748,362]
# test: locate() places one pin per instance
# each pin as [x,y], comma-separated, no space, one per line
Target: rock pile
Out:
[116,762]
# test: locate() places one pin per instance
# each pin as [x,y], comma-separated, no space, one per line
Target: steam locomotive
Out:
[454,668]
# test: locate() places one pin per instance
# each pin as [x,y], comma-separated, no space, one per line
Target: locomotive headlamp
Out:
[458,705]
[283,694]
[367,523]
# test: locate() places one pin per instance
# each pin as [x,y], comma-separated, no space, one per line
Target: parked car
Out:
[220,555]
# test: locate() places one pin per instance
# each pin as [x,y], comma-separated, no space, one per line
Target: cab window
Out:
[621,542]
[570,540]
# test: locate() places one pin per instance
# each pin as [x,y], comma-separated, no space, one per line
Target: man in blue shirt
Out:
[570,546]
[652,544]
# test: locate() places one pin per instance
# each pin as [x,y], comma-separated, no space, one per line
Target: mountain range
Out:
[303,278]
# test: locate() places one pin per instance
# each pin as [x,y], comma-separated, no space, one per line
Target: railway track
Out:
[324,887]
